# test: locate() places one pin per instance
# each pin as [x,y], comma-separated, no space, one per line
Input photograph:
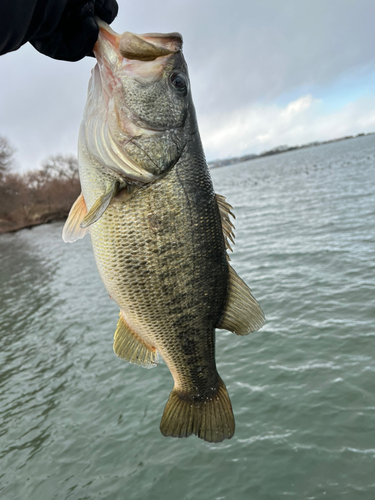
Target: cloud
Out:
[296,107]
[257,128]
[41,103]
[247,61]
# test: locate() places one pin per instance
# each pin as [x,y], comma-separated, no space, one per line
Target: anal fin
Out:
[242,313]
[129,346]
[72,230]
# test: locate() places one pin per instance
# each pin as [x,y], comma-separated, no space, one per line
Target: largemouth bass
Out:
[159,233]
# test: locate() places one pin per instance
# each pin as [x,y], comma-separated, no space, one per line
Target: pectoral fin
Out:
[242,313]
[101,205]
[72,230]
[129,346]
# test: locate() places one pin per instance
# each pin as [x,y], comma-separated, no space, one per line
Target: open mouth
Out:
[113,131]
[142,56]
[147,47]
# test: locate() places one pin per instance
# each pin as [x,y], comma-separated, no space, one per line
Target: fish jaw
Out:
[124,124]
[107,54]
[142,56]
[102,141]
[105,131]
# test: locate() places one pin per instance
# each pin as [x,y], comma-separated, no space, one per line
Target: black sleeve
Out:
[62,29]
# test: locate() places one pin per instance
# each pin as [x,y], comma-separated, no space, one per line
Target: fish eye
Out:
[179,83]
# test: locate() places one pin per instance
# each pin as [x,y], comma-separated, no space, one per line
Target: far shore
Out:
[62,192]
[278,150]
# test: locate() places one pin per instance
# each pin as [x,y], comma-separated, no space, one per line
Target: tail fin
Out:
[210,419]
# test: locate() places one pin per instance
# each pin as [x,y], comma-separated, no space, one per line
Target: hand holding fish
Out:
[61,29]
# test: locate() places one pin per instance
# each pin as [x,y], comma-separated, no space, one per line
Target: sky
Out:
[263,74]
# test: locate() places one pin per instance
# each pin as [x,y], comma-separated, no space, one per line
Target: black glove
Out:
[75,33]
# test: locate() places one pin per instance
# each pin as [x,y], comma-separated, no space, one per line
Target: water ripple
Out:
[78,423]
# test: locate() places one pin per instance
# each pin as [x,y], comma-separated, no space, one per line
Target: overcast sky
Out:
[263,73]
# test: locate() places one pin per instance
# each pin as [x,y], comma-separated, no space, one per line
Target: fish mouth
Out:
[150,46]
[144,57]
[112,125]
[147,47]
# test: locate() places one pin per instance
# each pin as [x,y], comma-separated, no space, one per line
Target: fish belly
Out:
[162,258]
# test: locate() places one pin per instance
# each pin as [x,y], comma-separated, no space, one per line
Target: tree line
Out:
[37,196]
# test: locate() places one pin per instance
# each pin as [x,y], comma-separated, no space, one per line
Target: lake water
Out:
[76,422]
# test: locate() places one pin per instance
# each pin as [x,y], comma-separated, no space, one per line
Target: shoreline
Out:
[278,150]
[13,225]
[8,227]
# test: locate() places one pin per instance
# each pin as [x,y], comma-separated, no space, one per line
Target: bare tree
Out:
[6,155]
[37,196]
[64,167]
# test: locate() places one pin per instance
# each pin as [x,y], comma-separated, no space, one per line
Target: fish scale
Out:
[151,251]
[159,232]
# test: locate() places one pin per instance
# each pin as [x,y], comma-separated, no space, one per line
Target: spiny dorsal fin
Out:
[242,313]
[228,227]
[129,346]
[101,205]
[72,230]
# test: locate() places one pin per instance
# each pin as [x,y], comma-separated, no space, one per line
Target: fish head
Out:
[137,114]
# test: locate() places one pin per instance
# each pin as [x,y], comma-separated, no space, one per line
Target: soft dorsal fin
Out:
[129,346]
[72,230]
[228,227]
[101,205]
[242,313]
